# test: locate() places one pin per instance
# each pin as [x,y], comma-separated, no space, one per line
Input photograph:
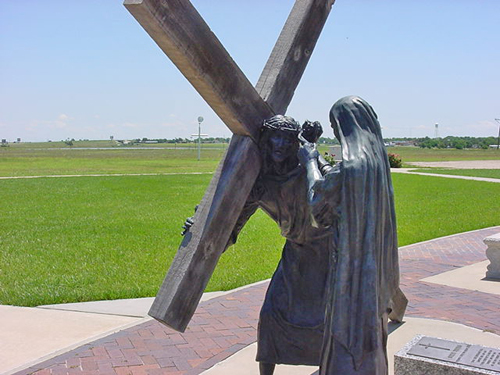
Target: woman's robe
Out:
[366,275]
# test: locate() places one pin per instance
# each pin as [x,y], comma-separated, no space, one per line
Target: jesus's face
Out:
[283,145]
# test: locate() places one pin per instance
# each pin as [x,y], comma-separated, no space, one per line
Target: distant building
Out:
[403,143]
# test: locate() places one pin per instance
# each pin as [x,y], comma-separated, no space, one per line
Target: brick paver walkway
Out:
[427,300]
[224,325]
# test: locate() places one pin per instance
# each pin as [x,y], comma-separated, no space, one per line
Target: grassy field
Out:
[104,157]
[429,207]
[107,144]
[89,238]
[445,154]
[86,238]
[83,161]
[488,173]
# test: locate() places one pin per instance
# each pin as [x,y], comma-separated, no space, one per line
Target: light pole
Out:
[498,142]
[200,120]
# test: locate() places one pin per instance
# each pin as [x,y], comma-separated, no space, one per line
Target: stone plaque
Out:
[459,353]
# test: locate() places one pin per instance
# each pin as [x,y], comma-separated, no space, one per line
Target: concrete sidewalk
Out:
[411,172]
[31,335]
[443,279]
[462,164]
[243,362]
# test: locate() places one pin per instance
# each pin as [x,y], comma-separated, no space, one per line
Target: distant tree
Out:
[459,144]
[456,142]
[328,141]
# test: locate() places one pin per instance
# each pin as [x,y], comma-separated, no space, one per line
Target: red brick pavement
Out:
[428,300]
[226,324]
[221,327]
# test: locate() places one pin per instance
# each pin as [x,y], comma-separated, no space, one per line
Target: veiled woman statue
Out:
[357,197]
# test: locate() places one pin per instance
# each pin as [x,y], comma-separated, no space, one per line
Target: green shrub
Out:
[330,159]
[395,160]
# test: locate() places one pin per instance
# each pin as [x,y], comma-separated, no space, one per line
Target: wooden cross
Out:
[186,39]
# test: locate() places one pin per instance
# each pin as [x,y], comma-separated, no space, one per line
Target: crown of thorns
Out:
[284,123]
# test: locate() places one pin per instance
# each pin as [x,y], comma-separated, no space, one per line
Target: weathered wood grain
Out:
[292,52]
[202,246]
[197,256]
[178,29]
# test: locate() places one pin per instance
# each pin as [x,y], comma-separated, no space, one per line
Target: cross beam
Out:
[292,52]
[180,32]
[183,35]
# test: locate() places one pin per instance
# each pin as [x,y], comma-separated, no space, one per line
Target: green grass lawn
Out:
[445,154]
[106,144]
[488,173]
[429,207]
[90,238]
[73,161]
[102,157]
[59,144]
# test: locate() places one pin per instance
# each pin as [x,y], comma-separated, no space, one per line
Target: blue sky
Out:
[87,70]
